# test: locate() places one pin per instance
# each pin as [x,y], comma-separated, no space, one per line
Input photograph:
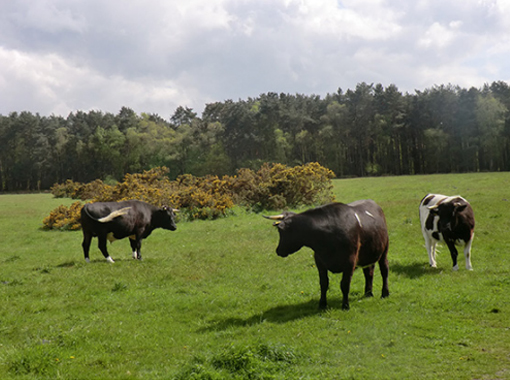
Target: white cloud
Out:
[46,16]
[59,55]
[49,84]
[440,36]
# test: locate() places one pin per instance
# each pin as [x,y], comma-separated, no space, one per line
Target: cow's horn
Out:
[274,217]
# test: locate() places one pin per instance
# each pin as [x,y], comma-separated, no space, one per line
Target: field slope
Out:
[213,301]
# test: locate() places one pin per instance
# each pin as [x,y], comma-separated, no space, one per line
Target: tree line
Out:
[369,130]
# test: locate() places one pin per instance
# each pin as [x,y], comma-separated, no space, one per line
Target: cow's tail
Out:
[115,214]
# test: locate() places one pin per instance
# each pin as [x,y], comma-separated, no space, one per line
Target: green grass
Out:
[213,301]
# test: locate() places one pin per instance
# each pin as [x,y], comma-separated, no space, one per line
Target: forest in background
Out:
[370,130]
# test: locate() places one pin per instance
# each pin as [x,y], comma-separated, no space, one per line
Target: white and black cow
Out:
[343,237]
[449,219]
[117,220]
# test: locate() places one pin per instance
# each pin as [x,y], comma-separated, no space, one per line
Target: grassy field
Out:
[213,301]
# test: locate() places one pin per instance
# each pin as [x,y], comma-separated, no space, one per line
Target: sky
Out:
[63,56]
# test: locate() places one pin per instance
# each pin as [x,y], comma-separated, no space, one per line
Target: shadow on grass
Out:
[413,270]
[277,314]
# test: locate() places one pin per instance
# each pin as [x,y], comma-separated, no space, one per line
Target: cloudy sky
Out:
[59,56]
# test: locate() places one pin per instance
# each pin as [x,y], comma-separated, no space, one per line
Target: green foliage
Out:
[41,360]
[262,362]
[272,187]
[370,130]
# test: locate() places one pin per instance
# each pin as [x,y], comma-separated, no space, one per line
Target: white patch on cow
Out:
[134,255]
[359,221]
[430,241]
[114,214]
[467,252]
[109,259]
[369,214]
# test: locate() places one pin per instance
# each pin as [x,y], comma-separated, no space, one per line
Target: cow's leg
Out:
[385,269]
[467,253]
[324,283]
[345,286]
[134,247]
[430,245]
[102,247]
[87,238]
[453,253]
[432,255]
[369,279]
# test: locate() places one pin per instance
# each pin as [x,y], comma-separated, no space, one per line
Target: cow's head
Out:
[448,213]
[290,239]
[166,216]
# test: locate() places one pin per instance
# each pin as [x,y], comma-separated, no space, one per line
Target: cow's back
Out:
[374,238]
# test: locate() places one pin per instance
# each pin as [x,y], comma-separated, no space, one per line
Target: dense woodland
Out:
[370,130]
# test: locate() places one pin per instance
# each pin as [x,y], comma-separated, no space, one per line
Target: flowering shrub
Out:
[277,186]
[64,218]
[272,187]
[78,190]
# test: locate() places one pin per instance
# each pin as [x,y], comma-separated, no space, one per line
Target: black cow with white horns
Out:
[343,237]
[117,220]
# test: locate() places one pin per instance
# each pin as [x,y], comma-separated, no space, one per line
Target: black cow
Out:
[343,237]
[448,219]
[117,220]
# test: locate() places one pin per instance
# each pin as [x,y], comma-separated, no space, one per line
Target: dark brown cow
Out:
[117,220]
[343,237]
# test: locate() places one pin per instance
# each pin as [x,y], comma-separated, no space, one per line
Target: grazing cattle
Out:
[343,237]
[117,220]
[448,219]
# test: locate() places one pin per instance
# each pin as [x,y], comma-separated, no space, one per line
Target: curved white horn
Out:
[274,217]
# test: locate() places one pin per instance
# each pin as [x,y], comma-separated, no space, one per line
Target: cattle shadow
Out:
[278,314]
[414,270]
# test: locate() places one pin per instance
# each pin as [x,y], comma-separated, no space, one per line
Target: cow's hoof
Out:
[456,268]
[369,294]
[345,307]
[109,259]
[87,260]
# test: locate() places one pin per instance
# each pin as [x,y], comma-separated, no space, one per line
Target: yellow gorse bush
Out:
[272,187]
[64,218]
